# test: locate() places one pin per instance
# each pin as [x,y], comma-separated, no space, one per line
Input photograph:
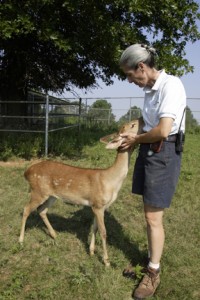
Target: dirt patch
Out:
[12,163]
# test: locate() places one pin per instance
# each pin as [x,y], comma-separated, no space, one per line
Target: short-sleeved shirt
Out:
[167,98]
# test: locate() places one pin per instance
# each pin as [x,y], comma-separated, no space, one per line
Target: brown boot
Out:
[148,284]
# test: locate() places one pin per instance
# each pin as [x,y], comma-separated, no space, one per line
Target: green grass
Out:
[44,269]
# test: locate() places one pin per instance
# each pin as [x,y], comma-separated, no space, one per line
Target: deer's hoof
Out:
[53,234]
[91,253]
[107,263]
[21,241]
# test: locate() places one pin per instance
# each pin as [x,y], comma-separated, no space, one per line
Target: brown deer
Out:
[97,188]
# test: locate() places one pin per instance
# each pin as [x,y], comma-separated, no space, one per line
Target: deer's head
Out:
[114,140]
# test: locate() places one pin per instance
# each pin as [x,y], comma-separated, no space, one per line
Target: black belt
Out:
[171,138]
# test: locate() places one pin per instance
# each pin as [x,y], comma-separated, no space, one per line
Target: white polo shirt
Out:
[166,98]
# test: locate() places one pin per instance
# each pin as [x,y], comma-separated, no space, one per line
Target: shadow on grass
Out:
[80,224]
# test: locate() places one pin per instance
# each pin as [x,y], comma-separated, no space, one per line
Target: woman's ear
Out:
[141,66]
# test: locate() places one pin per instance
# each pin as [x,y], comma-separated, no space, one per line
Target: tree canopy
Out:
[55,44]
[101,110]
[133,113]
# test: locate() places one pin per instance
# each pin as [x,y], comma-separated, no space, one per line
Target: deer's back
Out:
[72,184]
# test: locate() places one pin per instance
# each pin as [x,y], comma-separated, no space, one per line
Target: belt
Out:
[171,138]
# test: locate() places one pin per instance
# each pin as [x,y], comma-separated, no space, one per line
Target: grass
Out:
[44,269]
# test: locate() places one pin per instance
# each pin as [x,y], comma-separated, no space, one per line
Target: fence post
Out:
[109,116]
[79,118]
[46,125]
[130,112]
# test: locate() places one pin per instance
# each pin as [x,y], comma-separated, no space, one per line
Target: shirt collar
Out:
[156,85]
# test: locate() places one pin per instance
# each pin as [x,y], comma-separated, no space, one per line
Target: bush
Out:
[66,143]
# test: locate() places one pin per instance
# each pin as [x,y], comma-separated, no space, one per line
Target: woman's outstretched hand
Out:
[129,140]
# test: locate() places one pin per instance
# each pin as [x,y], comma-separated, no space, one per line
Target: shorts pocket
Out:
[169,152]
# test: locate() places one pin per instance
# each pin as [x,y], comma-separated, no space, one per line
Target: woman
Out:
[158,164]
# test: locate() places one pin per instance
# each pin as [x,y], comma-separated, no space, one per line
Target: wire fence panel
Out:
[40,113]
[127,108]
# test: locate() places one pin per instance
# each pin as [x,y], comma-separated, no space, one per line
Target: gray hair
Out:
[138,53]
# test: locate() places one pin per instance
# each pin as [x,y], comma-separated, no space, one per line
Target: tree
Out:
[101,110]
[55,44]
[133,113]
[191,122]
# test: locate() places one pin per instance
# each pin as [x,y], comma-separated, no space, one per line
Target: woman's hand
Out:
[129,140]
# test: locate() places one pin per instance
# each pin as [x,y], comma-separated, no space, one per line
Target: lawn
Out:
[44,269]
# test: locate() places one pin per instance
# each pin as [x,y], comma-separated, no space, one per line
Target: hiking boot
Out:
[148,284]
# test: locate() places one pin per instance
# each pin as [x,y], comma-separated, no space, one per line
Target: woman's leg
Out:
[155,232]
[156,237]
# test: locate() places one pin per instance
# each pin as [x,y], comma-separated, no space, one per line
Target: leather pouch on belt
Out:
[156,147]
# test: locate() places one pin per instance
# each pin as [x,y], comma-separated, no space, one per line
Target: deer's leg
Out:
[99,213]
[31,206]
[94,231]
[43,214]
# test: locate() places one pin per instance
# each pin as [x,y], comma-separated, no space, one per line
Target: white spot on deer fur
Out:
[55,182]
[69,183]
[86,202]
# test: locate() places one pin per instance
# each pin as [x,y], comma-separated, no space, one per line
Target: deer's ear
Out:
[108,138]
[115,144]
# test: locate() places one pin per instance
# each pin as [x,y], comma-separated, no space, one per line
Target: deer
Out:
[97,188]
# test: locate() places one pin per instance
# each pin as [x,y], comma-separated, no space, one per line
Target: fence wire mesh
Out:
[43,113]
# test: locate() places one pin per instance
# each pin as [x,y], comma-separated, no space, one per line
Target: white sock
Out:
[154,266]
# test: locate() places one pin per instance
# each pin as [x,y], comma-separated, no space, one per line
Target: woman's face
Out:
[137,76]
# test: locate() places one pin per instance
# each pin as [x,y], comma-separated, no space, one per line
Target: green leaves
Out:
[14,21]
[101,110]
[53,45]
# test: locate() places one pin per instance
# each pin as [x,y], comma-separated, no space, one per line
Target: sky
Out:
[126,90]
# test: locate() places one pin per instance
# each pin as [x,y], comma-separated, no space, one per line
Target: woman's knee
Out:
[153,221]
[154,216]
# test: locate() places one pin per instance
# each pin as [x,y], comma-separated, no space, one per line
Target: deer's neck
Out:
[120,167]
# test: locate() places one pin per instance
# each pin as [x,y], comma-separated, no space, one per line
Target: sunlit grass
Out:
[44,269]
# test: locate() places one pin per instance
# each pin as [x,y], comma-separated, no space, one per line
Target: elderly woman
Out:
[158,163]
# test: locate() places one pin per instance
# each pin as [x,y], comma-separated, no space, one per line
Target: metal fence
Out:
[122,109]
[40,113]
